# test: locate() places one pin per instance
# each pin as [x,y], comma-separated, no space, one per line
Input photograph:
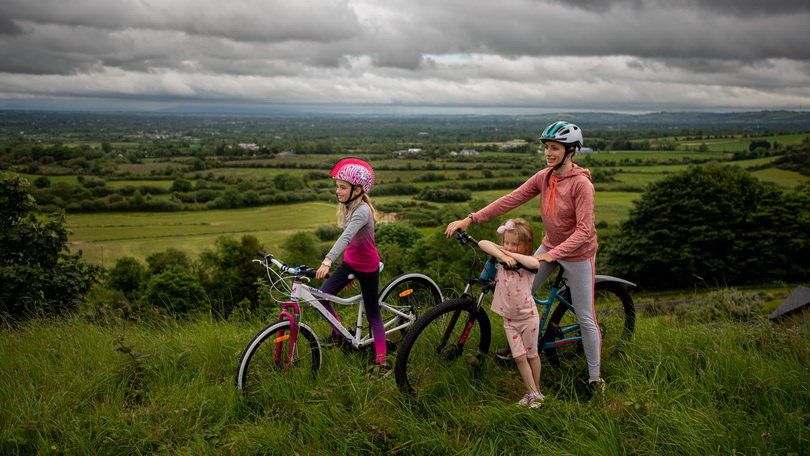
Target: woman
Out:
[566,205]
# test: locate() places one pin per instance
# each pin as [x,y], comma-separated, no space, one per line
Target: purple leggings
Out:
[369,284]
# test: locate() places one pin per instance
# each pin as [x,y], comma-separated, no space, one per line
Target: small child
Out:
[513,301]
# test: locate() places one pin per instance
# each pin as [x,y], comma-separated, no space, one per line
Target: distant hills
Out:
[737,122]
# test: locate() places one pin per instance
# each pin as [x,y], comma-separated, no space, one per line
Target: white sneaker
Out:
[536,400]
[525,401]
[532,400]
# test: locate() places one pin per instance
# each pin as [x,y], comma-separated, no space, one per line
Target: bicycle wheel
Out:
[615,314]
[444,346]
[267,357]
[410,293]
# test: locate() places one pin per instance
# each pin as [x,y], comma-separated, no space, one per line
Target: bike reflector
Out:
[281,338]
[406,293]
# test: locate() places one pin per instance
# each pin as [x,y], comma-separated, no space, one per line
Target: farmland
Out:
[111,165]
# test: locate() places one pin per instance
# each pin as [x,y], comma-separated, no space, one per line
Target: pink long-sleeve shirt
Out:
[566,205]
[358,241]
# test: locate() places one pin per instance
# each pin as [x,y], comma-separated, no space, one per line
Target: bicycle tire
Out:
[425,363]
[259,367]
[615,313]
[410,293]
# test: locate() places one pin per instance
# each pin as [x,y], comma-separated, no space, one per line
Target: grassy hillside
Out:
[78,387]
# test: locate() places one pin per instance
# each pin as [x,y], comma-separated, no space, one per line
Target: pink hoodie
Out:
[566,205]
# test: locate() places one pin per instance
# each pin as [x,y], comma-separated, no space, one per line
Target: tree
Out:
[170,258]
[759,144]
[37,270]
[289,182]
[176,290]
[229,274]
[181,185]
[402,234]
[42,182]
[126,276]
[716,224]
[302,248]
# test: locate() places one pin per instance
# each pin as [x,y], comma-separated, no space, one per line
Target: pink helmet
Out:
[355,172]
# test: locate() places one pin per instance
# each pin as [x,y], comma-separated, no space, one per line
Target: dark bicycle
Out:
[460,329]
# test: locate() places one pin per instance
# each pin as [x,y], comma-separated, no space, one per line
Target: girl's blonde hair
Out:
[524,232]
[344,209]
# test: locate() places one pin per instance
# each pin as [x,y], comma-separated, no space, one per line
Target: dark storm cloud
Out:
[8,26]
[629,54]
[739,8]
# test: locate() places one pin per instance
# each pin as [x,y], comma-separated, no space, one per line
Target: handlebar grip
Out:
[464,237]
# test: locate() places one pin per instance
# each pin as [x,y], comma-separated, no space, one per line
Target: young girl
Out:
[566,206]
[513,301]
[356,214]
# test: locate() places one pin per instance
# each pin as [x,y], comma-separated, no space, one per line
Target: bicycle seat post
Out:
[559,281]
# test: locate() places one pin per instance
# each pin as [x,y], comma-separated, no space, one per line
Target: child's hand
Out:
[321,272]
[351,285]
[509,261]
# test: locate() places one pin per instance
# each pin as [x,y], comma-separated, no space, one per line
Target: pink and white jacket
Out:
[566,205]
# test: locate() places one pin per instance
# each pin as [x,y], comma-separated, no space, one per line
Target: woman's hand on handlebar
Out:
[453,226]
[545,257]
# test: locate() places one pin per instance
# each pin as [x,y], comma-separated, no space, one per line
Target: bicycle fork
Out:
[468,326]
[292,338]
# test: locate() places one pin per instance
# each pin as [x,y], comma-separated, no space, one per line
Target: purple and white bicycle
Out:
[291,345]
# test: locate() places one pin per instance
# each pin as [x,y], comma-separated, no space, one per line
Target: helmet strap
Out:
[569,152]
[352,198]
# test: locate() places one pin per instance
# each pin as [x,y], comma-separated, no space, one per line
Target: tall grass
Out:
[83,388]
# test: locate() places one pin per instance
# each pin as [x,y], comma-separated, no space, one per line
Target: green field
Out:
[781,177]
[105,237]
[660,157]
[740,144]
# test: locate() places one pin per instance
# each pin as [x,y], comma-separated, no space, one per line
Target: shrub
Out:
[444,195]
[328,233]
[402,234]
[727,304]
[175,290]
[37,272]
[302,248]
[126,276]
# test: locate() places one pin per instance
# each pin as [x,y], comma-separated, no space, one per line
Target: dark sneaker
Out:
[332,340]
[596,386]
[379,371]
[504,353]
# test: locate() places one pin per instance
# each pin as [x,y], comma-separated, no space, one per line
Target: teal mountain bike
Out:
[452,338]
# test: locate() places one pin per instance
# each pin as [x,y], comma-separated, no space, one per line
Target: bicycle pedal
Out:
[556,331]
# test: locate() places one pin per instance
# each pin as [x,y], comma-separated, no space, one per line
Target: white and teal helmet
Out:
[564,133]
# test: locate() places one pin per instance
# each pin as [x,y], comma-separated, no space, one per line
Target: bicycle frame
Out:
[548,304]
[302,292]
[485,279]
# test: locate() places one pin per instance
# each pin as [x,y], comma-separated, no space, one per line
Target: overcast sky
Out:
[419,55]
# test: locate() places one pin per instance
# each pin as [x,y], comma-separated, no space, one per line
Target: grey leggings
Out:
[581,280]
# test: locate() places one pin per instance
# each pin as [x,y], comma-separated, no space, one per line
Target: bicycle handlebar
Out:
[464,237]
[302,270]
